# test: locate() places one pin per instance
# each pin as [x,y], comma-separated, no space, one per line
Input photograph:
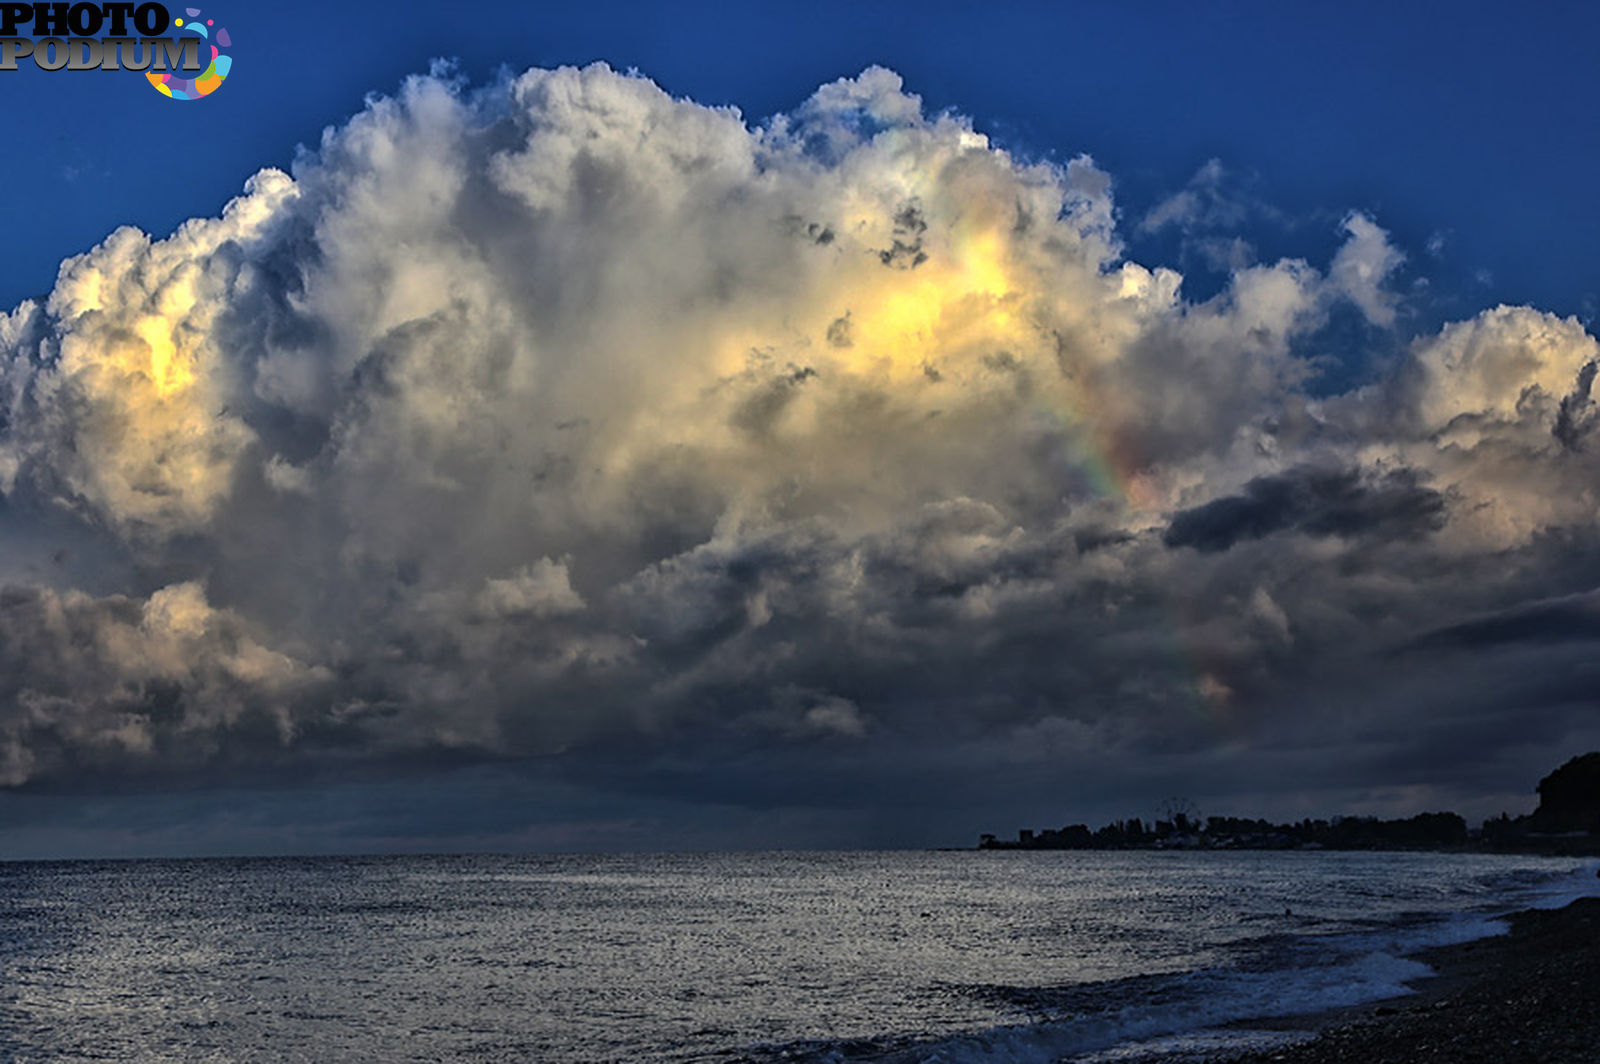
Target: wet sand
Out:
[1530,997]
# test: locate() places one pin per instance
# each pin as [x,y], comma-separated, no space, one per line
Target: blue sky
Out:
[554,463]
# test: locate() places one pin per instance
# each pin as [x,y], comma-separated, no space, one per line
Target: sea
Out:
[744,958]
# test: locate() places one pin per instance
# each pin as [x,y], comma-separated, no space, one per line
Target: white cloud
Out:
[542,589]
[1494,365]
[1362,265]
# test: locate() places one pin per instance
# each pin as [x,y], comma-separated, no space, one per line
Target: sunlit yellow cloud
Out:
[961,299]
[168,371]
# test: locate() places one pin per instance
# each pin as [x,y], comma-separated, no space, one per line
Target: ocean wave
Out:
[1190,1015]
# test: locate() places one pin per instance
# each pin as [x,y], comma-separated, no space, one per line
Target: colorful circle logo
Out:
[173,84]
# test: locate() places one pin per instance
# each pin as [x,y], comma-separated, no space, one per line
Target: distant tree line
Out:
[1567,821]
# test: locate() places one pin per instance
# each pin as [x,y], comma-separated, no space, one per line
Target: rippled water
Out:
[716,958]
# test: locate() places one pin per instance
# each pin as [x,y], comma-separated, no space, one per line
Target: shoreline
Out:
[1528,997]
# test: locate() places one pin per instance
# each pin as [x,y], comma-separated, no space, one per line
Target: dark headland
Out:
[1566,823]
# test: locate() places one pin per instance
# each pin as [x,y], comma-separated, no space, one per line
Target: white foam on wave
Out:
[1320,973]
[1186,1005]
[1561,891]
[1406,939]
[1195,1015]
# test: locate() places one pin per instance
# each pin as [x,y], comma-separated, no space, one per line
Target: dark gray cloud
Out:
[1569,618]
[1574,418]
[1317,502]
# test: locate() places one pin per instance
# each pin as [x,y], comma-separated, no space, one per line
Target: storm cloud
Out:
[563,419]
[1318,502]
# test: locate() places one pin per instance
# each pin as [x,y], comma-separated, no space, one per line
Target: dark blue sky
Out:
[1467,121]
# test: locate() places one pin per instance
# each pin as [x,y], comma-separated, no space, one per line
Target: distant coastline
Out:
[1566,824]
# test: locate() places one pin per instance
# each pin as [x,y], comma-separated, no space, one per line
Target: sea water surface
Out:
[722,958]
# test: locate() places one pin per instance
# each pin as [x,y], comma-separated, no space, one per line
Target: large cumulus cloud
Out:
[561,418]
